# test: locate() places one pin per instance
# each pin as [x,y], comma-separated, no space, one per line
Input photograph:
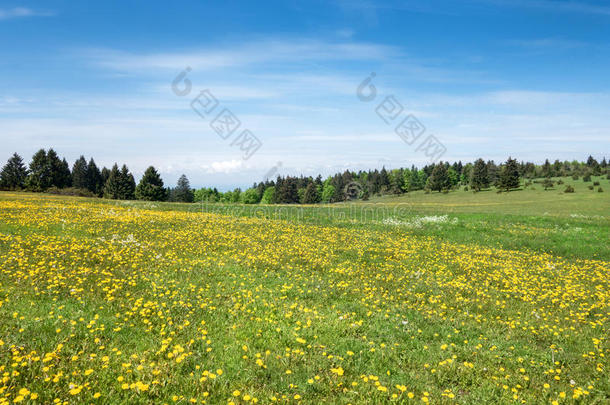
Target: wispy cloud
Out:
[253,53]
[21,12]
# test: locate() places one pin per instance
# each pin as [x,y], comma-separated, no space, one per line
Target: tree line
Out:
[47,172]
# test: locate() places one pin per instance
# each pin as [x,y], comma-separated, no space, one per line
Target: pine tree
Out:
[95,182]
[183,192]
[311,195]
[509,176]
[40,177]
[479,178]
[151,187]
[13,174]
[79,173]
[60,170]
[439,178]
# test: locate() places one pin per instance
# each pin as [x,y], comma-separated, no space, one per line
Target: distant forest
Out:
[47,172]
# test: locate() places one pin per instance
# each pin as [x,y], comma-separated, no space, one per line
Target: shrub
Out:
[466,188]
[590,187]
[73,191]
[599,190]
[596,183]
[586,178]
[608,176]
[559,181]
[446,191]
[574,177]
[569,189]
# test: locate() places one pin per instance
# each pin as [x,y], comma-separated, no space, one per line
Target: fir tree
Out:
[79,173]
[112,187]
[509,175]
[40,177]
[183,192]
[439,178]
[151,187]
[13,174]
[479,178]
[95,182]
[311,195]
[128,184]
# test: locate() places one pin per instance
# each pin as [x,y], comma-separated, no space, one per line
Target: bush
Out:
[599,190]
[466,188]
[590,187]
[586,178]
[559,181]
[73,191]
[575,177]
[446,191]
[569,189]
[596,183]
[608,176]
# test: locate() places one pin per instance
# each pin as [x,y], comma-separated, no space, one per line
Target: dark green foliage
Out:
[73,191]
[569,189]
[586,178]
[151,187]
[311,195]
[40,177]
[183,191]
[547,183]
[509,175]
[79,173]
[95,182]
[120,184]
[439,178]
[60,170]
[13,174]
[480,177]
[599,190]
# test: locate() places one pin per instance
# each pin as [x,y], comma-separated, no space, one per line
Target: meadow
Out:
[425,298]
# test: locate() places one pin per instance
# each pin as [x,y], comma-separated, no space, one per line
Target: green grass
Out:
[395,295]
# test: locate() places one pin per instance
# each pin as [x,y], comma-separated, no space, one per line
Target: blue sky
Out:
[487,78]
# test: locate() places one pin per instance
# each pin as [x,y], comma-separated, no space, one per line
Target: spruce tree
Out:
[509,175]
[151,187]
[79,173]
[13,174]
[479,178]
[439,178]
[40,177]
[128,184]
[311,195]
[94,178]
[183,192]
[112,187]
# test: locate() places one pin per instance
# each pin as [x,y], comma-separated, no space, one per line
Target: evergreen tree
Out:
[509,176]
[40,177]
[95,181]
[439,178]
[311,195]
[492,173]
[547,169]
[479,178]
[13,173]
[183,192]
[112,187]
[288,193]
[128,184]
[79,173]
[151,187]
[60,170]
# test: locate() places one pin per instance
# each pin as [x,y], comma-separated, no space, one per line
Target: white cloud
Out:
[20,12]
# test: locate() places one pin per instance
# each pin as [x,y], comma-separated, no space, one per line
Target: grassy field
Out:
[456,298]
